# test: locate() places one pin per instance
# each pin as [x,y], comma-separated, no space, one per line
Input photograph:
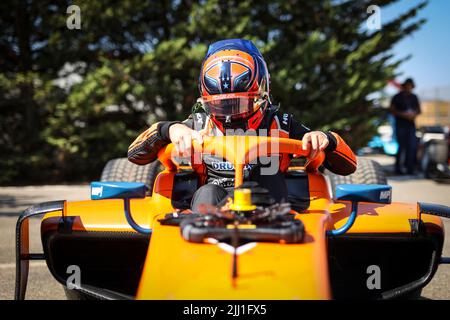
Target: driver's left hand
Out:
[314,141]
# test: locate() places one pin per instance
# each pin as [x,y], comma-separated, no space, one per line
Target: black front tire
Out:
[367,172]
[122,170]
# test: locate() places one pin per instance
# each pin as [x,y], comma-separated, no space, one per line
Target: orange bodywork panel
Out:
[177,269]
[378,218]
[108,215]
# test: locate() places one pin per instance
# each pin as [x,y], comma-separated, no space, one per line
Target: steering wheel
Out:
[241,150]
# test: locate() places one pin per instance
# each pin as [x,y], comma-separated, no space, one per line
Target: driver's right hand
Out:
[181,136]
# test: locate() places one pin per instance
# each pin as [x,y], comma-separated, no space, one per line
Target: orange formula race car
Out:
[329,241]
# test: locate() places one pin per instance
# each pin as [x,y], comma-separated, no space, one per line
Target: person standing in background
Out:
[405,107]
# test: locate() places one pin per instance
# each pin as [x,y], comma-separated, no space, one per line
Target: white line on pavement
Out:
[13,265]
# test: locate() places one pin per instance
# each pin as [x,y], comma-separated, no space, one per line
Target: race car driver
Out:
[234,95]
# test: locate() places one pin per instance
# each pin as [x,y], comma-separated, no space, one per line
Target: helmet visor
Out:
[235,108]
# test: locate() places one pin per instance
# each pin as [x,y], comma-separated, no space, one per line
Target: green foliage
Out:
[72,99]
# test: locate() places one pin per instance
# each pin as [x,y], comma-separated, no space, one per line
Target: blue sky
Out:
[430,46]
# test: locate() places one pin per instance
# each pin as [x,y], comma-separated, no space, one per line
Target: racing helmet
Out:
[234,83]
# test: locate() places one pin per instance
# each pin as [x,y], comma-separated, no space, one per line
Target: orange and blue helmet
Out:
[234,82]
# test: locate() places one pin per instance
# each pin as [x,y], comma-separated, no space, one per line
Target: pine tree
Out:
[138,61]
